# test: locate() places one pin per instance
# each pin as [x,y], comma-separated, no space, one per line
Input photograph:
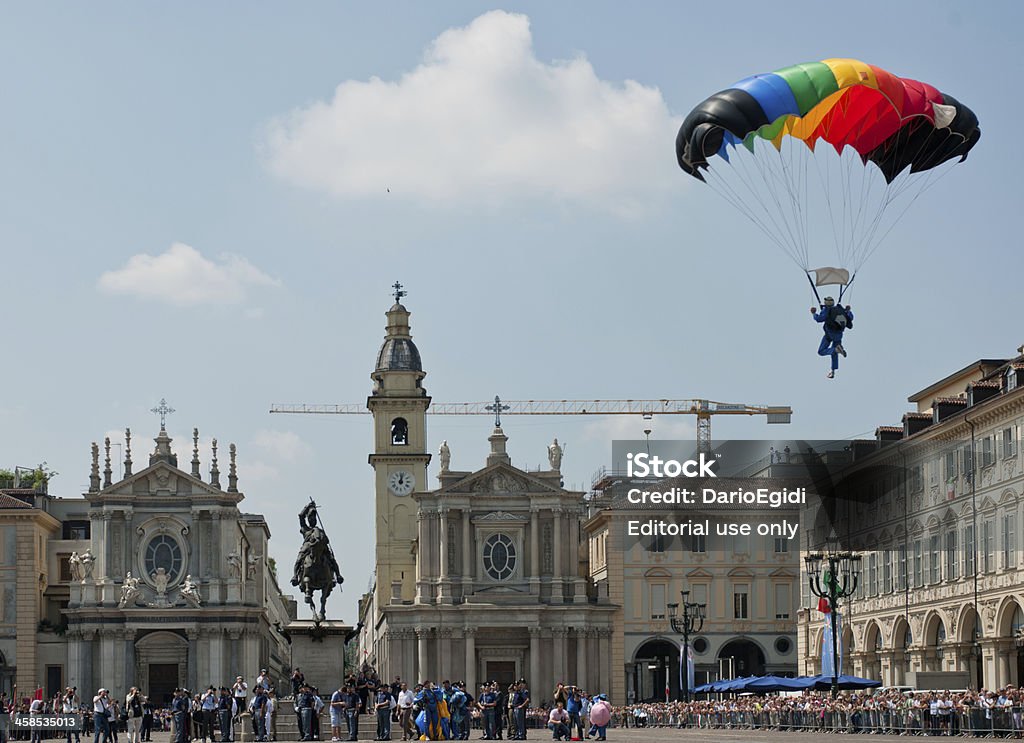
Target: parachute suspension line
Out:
[826,192]
[765,218]
[782,212]
[815,288]
[845,288]
[724,189]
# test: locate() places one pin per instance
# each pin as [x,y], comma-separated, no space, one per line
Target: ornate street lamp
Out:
[842,571]
[691,622]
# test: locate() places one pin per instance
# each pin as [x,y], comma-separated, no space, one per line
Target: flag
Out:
[685,662]
[823,606]
[689,668]
[828,668]
[39,694]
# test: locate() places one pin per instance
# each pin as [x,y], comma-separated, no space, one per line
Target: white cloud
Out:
[182,276]
[481,119]
[284,446]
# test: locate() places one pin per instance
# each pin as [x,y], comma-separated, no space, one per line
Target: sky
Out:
[208,203]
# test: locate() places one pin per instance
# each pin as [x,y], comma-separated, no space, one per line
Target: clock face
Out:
[401,483]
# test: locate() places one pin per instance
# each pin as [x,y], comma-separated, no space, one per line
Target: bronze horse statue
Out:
[316,569]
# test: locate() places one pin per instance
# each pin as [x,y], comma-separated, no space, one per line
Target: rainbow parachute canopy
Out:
[894,122]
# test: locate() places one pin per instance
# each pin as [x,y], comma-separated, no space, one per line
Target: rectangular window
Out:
[742,544]
[1009,541]
[64,561]
[969,550]
[781,545]
[950,466]
[918,564]
[873,574]
[75,530]
[987,455]
[934,565]
[699,593]
[783,604]
[887,571]
[1009,443]
[658,601]
[952,565]
[658,543]
[699,544]
[967,459]
[988,545]
[917,479]
[740,599]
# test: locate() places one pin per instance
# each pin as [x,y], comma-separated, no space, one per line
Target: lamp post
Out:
[690,622]
[842,571]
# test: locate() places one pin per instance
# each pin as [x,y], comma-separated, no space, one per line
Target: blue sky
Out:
[281,165]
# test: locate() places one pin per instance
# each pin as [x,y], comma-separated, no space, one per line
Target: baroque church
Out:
[157,579]
[483,577]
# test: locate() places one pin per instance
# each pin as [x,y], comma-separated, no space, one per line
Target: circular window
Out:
[700,646]
[163,552]
[499,557]
[783,645]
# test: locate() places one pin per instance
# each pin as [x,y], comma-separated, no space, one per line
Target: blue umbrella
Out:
[779,683]
[823,683]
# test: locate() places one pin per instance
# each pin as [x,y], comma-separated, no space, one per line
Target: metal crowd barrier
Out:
[975,722]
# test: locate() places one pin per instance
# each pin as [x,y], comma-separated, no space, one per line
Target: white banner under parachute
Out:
[828,275]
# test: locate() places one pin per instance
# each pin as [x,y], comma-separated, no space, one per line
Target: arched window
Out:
[399,432]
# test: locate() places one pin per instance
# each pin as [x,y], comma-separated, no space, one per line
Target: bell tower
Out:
[399,404]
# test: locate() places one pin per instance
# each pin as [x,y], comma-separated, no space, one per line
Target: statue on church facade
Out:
[252,562]
[160,579]
[446,455]
[75,566]
[190,592]
[234,564]
[316,568]
[555,456]
[129,591]
[86,563]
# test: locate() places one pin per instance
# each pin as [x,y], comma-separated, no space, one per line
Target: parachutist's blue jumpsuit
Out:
[832,338]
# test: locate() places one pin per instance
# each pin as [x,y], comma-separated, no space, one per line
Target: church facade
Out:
[482,578]
[156,580]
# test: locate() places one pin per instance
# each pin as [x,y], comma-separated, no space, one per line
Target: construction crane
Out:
[703,409]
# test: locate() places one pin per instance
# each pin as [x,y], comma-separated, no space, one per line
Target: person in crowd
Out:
[180,711]
[352,707]
[70,705]
[256,710]
[520,701]
[133,708]
[239,690]
[147,720]
[270,716]
[101,716]
[558,721]
[304,710]
[406,700]
[574,707]
[298,678]
[336,709]
[382,705]
[225,713]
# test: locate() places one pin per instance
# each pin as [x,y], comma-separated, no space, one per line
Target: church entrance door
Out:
[502,671]
[163,680]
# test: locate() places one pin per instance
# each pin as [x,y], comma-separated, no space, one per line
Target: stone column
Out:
[534,678]
[534,552]
[129,659]
[422,634]
[579,591]
[556,582]
[445,593]
[87,682]
[471,661]
[558,670]
[1003,677]
[468,556]
[604,651]
[193,658]
[581,659]
[421,557]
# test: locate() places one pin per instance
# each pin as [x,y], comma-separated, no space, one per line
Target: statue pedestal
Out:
[88,595]
[320,652]
[234,592]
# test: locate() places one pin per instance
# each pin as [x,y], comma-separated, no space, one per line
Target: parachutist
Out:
[835,320]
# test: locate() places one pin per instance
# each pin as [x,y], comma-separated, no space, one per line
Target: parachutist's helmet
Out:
[828,301]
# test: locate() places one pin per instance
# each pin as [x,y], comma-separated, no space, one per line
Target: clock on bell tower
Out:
[399,404]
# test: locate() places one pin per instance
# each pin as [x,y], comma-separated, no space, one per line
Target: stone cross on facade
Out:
[398,292]
[163,411]
[497,409]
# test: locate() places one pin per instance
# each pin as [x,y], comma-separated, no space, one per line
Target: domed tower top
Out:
[398,352]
